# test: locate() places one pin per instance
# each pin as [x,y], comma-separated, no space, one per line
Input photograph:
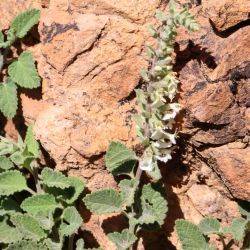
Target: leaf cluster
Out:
[40,216]
[142,206]
[21,71]
[194,236]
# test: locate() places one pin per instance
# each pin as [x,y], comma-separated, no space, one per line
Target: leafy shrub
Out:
[21,71]
[197,236]
[36,211]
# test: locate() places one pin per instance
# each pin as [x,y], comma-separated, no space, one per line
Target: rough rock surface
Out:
[90,55]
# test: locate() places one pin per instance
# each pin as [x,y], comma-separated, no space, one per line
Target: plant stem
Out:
[30,190]
[228,245]
[35,175]
[71,242]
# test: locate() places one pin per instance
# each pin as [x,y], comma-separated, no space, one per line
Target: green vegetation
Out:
[20,71]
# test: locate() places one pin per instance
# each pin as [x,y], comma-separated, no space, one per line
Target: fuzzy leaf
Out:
[8,234]
[237,228]
[23,22]
[128,189]
[46,220]
[123,240]
[8,99]
[209,226]
[18,158]
[103,201]
[12,181]
[154,206]
[80,244]
[39,203]
[77,185]
[160,15]
[72,222]
[26,245]
[119,159]
[53,245]
[54,179]
[152,31]
[6,163]
[28,226]
[68,195]
[23,71]
[32,144]
[190,236]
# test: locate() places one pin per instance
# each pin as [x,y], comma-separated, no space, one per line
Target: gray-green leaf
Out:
[23,22]
[32,144]
[128,189]
[237,228]
[8,99]
[123,240]
[154,206]
[26,245]
[6,163]
[71,222]
[119,159]
[8,234]
[12,181]
[23,71]
[28,226]
[104,201]
[54,179]
[209,226]
[190,236]
[39,203]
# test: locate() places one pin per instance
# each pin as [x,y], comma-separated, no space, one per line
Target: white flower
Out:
[160,144]
[170,124]
[164,158]
[146,164]
[167,156]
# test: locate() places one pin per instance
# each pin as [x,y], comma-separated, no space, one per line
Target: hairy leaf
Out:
[23,71]
[128,189]
[6,163]
[12,181]
[28,226]
[45,219]
[123,240]
[153,205]
[8,98]
[103,201]
[190,236]
[39,203]
[27,245]
[32,144]
[8,234]
[237,228]
[71,222]
[209,226]
[53,245]
[23,22]
[54,178]
[119,159]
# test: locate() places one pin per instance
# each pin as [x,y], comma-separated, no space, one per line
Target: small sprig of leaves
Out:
[37,211]
[21,71]
[194,236]
[143,206]
[157,111]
